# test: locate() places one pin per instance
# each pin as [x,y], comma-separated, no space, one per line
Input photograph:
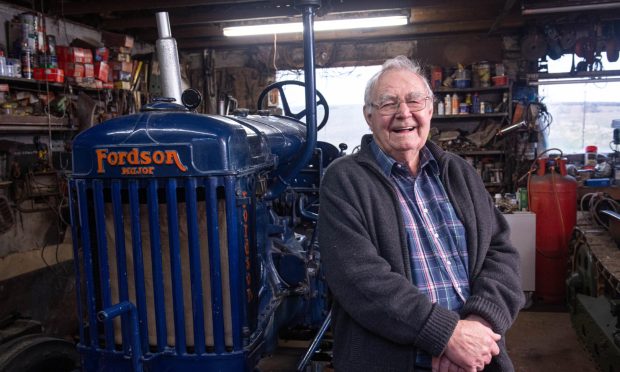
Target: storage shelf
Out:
[479,152]
[465,90]
[32,123]
[471,116]
[41,86]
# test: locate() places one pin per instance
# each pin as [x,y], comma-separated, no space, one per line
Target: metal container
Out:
[484,73]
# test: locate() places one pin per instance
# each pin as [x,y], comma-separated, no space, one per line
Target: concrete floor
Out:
[545,341]
[541,340]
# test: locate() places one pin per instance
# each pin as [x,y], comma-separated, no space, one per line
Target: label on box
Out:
[89,70]
[102,71]
[74,70]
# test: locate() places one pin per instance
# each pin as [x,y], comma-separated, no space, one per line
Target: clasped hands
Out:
[471,347]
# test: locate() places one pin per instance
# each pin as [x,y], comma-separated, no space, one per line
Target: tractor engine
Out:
[183,261]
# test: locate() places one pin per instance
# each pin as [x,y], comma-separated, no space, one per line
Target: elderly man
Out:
[416,255]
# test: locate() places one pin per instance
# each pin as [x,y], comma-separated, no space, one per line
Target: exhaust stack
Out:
[168,56]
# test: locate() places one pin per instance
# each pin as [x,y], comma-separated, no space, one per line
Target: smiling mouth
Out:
[401,130]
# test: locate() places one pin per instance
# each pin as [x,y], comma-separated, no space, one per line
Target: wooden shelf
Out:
[466,90]
[471,116]
[21,123]
[479,152]
[41,86]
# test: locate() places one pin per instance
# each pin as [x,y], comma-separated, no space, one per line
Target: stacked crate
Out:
[120,59]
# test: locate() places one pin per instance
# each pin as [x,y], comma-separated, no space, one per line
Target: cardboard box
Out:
[124,85]
[88,55]
[55,75]
[122,57]
[89,70]
[74,70]
[70,55]
[117,40]
[122,66]
[102,70]
[121,76]
[102,54]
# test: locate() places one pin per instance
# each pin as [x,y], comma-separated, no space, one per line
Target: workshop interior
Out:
[161,165]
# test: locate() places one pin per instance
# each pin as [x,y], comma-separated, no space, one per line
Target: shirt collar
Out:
[387,163]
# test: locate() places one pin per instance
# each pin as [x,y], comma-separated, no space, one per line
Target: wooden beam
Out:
[90,7]
[400,33]
[249,11]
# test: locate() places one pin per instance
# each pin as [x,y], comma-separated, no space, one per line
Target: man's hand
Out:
[471,346]
[443,364]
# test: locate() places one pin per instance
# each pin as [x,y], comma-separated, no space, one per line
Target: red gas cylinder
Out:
[553,198]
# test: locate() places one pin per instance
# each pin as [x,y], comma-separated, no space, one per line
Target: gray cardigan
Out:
[380,317]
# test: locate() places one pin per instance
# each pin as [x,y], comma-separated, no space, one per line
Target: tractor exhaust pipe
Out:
[168,57]
[308,8]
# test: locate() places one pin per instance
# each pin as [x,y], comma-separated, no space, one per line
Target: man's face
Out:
[402,133]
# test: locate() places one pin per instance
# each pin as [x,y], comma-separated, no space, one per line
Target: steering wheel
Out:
[287,110]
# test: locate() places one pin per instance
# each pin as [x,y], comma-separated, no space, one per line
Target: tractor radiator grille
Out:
[172,248]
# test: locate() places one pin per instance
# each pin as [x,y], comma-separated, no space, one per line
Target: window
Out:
[343,89]
[582,112]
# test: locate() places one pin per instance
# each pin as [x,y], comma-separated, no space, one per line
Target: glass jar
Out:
[589,161]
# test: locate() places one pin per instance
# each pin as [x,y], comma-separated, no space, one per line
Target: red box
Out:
[55,75]
[70,55]
[75,55]
[89,70]
[102,70]
[74,70]
[88,55]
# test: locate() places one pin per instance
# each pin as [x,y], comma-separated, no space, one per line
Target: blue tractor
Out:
[195,235]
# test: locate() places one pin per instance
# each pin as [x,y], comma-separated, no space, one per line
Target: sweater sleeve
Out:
[365,283]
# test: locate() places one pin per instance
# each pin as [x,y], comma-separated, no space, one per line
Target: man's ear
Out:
[367,115]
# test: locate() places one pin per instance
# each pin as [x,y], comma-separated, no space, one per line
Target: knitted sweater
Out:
[379,316]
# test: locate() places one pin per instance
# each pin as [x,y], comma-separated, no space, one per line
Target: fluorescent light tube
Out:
[341,24]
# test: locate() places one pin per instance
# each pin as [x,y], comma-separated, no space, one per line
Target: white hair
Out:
[396,63]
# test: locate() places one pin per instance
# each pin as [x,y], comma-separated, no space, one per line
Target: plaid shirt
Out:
[435,235]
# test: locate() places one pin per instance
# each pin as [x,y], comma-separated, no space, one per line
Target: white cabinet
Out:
[523,237]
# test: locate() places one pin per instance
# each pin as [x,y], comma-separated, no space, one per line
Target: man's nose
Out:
[403,109]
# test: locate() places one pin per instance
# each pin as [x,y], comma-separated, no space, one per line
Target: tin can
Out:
[436,76]
[27,64]
[484,73]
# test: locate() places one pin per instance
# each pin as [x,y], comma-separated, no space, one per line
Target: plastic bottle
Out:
[468,102]
[448,104]
[455,104]
[589,161]
[440,109]
[475,104]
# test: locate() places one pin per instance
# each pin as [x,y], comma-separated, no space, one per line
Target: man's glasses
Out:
[391,107]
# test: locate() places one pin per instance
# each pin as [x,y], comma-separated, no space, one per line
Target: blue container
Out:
[462,83]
